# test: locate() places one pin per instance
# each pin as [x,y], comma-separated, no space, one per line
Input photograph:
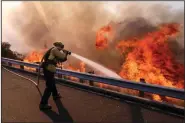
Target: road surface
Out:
[20,103]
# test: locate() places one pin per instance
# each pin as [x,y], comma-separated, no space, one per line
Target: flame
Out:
[33,57]
[36,56]
[82,67]
[124,46]
[151,58]
[102,37]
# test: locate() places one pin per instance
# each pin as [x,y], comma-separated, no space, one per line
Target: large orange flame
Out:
[35,56]
[102,37]
[151,58]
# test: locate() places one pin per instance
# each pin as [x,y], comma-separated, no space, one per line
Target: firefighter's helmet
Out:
[58,44]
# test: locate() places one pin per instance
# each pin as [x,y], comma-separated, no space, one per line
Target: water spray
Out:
[99,67]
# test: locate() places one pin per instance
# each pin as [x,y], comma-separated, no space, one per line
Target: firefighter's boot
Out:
[45,107]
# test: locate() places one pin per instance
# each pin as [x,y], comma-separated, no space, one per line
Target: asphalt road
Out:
[20,103]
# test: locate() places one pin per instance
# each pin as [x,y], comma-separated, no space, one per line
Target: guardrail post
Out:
[9,64]
[81,81]
[22,67]
[91,83]
[64,77]
[60,76]
[141,93]
[37,70]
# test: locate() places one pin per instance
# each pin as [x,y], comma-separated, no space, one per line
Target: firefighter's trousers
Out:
[50,86]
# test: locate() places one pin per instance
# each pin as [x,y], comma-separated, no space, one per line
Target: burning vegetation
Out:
[150,58]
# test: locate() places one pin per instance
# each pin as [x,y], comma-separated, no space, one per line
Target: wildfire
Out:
[102,37]
[33,57]
[151,58]
[80,69]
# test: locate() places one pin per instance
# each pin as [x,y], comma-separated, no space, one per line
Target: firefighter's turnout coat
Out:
[52,57]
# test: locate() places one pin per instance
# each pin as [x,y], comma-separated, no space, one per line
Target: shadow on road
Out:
[63,115]
[137,115]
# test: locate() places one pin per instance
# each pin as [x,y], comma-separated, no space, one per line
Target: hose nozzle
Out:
[67,52]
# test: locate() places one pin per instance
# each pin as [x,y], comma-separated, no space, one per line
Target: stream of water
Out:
[97,66]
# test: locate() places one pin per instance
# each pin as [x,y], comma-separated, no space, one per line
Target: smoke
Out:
[39,24]
[71,23]
[136,19]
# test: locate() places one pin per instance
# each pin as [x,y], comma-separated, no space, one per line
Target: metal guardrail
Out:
[165,91]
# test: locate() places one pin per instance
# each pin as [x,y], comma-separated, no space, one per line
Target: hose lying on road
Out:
[25,78]
[38,78]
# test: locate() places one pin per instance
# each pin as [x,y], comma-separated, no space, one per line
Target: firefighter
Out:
[51,58]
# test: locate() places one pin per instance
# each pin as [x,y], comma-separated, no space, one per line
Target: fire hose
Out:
[36,85]
[38,76]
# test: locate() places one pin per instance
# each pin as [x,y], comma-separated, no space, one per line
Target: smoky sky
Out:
[38,24]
